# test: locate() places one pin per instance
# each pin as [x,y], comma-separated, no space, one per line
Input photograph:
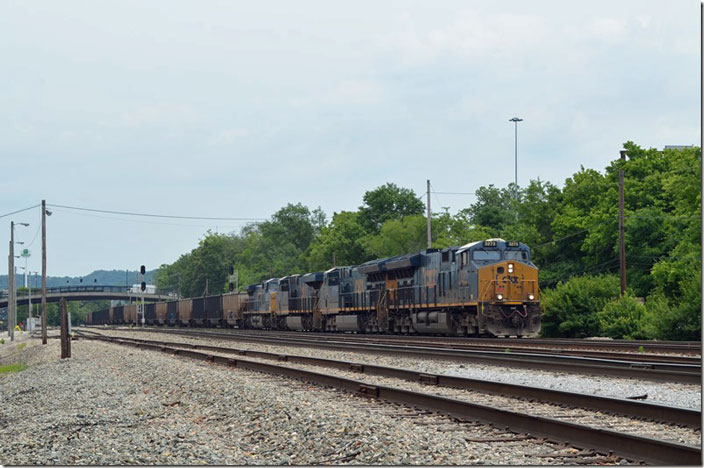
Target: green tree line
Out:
[573,233]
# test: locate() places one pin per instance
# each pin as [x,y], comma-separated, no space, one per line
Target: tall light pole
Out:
[515,121]
[45,213]
[12,296]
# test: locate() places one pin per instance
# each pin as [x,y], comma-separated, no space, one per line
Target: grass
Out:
[2,340]
[21,346]
[12,368]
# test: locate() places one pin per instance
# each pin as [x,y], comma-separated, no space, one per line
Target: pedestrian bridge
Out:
[87,293]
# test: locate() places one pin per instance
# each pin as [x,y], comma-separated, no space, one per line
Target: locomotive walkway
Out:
[86,293]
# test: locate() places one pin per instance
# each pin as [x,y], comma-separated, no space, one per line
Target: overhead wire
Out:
[19,211]
[142,221]
[152,215]
[455,193]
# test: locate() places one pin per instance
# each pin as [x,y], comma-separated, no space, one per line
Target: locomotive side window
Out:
[486,255]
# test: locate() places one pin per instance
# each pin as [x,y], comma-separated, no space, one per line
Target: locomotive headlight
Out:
[499,296]
[531,297]
[510,267]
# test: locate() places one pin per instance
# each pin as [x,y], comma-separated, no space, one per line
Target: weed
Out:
[21,346]
[507,350]
[641,349]
[2,340]
[12,368]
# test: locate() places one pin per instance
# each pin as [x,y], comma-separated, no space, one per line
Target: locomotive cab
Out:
[505,283]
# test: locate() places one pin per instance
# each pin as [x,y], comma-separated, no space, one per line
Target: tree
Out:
[341,238]
[388,202]
[494,208]
[398,237]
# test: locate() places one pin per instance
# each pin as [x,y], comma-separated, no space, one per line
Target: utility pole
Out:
[430,242]
[622,225]
[30,322]
[10,332]
[11,284]
[44,272]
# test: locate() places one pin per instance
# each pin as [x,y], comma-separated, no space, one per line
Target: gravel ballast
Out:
[111,404]
[666,393]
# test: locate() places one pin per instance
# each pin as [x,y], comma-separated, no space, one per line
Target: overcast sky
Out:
[236,108]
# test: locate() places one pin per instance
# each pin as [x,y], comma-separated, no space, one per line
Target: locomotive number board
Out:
[511,243]
[489,243]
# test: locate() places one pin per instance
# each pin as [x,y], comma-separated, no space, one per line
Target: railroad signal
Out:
[232,278]
[142,270]
[143,286]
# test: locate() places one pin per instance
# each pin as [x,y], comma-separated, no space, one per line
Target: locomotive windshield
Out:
[515,255]
[486,255]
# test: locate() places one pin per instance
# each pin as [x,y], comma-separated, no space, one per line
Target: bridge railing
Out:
[92,288]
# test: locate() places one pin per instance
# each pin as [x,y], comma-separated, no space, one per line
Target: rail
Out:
[601,440]
[655,371]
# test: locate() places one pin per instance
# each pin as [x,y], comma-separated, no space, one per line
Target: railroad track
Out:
[532,346]
[692,348]
[643,351]
[631,368]
[604,441]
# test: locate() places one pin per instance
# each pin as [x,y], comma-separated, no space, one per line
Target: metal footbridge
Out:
[86,293]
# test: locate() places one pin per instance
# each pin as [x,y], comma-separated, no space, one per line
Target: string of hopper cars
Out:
[484,288]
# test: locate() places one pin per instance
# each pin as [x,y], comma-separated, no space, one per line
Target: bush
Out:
[623,318]
[570,310]
[669,320]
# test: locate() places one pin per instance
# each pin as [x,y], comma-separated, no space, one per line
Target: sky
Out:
[235,109]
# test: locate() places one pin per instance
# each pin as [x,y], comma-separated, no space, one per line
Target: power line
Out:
[575,233]
[455,193]
[597,268]
[19,211]
[139,221]
[151,215]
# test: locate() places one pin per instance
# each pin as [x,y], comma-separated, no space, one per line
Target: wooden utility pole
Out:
[430,242]
[65,336]
[11,284]
[622,225]
[9,293]
[44,337]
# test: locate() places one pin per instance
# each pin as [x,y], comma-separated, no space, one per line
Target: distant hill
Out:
[98,277]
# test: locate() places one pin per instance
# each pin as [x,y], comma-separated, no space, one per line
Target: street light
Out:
[515,121]
[12,296]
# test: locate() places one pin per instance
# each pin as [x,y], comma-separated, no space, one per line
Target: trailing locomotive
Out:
[487,287]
